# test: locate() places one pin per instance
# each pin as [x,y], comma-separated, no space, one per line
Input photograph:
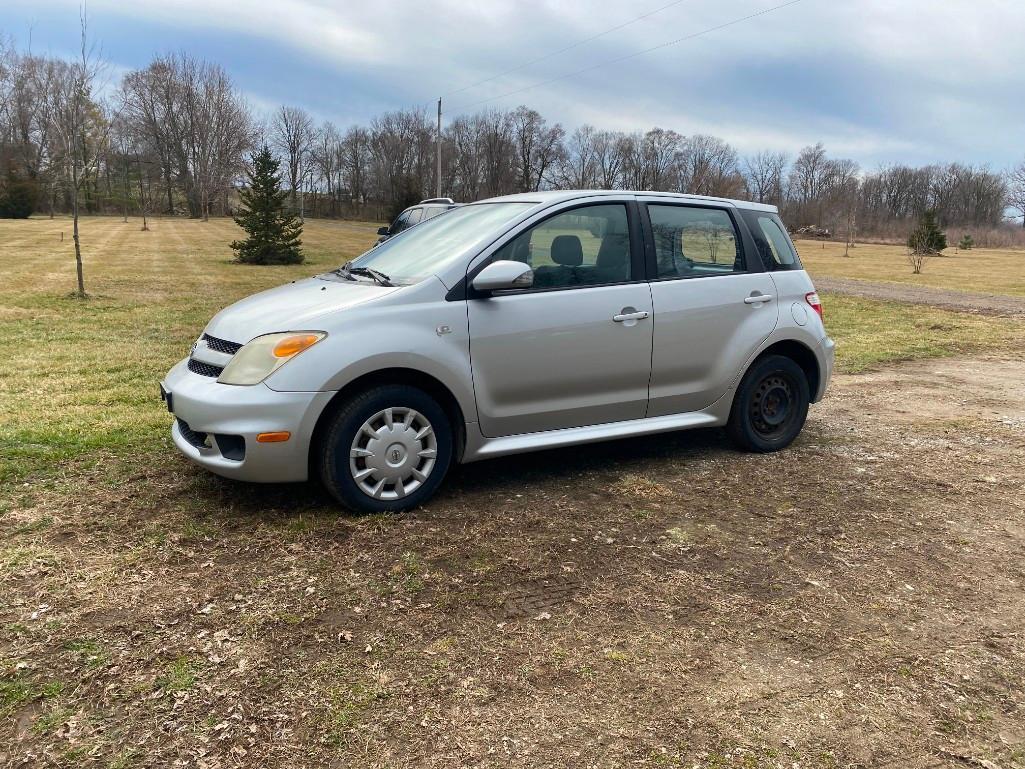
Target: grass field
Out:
[78,377]
[986,270]
[655,603]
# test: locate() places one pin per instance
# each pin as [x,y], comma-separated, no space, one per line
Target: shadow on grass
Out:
[465,483]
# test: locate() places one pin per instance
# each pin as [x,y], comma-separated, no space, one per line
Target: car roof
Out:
[433,205]
[551,197]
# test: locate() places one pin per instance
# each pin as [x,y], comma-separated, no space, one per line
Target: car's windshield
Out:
[423,250]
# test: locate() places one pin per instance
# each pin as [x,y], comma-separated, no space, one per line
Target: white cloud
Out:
[875,79]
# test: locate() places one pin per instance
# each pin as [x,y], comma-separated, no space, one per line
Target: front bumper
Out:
[231,410]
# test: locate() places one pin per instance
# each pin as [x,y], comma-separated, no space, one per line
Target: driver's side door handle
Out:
[630,316]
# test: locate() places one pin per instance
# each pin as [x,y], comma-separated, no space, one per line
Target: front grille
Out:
[197,439]
[221,345]
[204,369]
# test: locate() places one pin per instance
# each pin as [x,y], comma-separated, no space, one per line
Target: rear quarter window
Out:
[770,236]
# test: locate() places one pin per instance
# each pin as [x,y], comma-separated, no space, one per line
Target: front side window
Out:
[588,246]
[692,242]
[414,216]
[433,245]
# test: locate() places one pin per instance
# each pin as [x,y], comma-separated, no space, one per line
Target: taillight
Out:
[812,298]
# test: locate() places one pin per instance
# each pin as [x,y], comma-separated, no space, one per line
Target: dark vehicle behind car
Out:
[421,212]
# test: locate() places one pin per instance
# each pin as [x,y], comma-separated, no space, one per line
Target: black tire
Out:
[337,442]
[770,406]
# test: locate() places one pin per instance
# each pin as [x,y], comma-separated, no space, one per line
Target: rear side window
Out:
[774,245]
[401,222]
[692,242]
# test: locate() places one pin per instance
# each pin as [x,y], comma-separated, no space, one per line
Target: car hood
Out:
[297,306]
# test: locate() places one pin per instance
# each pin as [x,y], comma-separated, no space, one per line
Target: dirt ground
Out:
[855,601]
[944,298]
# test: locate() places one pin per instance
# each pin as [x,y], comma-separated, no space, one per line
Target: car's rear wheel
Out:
[387,449]
[770,406]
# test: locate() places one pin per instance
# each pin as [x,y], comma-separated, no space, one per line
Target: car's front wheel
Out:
[770,406]
[386,450]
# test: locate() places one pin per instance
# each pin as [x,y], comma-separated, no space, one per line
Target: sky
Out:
[880,81]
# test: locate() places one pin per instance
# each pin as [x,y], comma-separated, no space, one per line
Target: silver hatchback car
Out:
[524,322]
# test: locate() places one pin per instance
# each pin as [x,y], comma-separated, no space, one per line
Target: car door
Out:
[575,349]
[713,306]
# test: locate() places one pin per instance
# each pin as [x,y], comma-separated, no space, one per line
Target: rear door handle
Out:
[758,298]
[630,316]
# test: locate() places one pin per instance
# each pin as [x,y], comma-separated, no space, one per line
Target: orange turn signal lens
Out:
[293,345]
[279,437]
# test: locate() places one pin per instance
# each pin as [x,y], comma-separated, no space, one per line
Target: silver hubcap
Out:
[393,453]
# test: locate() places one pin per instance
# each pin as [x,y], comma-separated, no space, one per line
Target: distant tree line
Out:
[176,138]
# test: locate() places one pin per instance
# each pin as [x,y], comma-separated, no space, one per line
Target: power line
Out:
[562,50]
[631,55]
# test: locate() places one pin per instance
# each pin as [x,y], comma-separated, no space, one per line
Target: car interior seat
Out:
[568,254]
[613,262]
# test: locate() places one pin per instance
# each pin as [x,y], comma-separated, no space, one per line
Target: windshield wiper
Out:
[342,272]
[370,272]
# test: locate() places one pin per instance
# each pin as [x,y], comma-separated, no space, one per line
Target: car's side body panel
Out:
[554,359]
[414,328]
[703,335]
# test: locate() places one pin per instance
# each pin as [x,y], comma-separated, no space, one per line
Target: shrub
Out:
[17,198]
[927,238]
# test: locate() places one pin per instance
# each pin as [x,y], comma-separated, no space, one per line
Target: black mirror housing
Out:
[382,230]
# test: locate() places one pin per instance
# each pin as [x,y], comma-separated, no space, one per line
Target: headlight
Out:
[266,354]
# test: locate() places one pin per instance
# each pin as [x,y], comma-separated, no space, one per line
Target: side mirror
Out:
[504,275]
[383,230]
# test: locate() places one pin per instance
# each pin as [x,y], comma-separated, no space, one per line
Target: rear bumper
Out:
[229,410]
[827,357]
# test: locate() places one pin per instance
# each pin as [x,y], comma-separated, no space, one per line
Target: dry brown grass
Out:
[854,601]
[994,271]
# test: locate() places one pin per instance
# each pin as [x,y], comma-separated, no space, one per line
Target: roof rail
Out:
[437,200]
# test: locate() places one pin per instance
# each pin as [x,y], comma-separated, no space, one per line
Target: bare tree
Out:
[808,177]
[498,147]
[578,161]
[706,165]
[764,175]
[293,137]
[1016,189]
[186,130]
[402,152]
[635,171]
[194,122]
[610,158]
[327,160]
[355,162]
[465,138]
[538,146]
[78,126]
[660,150]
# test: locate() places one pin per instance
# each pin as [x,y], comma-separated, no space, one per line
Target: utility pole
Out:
[438,143]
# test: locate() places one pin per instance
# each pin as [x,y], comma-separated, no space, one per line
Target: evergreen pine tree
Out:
[273,233]
[927,238]
[17,198]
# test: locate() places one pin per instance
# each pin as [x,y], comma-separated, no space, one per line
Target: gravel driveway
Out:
[960,301]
